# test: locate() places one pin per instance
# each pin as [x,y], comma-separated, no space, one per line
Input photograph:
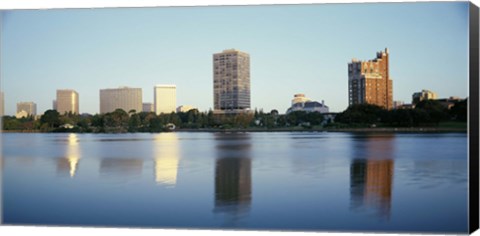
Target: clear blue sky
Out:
[293,49]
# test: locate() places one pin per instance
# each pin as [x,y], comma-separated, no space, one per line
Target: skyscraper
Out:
[165,98]
[369,82]
[67,101]
[29,107]
[231,81]
[124,98]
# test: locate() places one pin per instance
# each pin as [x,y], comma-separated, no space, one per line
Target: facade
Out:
[185,108]
[67,101]
[124,98]
[54,104]
[369,82]
[423,95]
[231,81]
[302,103]
[30,108]
[165,98]
[147,107]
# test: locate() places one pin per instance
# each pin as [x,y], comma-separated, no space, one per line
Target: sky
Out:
[293,49]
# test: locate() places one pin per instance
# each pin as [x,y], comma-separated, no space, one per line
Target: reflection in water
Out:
[166,153]
[121,167]
[72,156]
[371,177]
[233,179]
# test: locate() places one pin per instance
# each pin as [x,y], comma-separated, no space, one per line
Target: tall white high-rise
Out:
[124,98]
[165,98]
[67,101]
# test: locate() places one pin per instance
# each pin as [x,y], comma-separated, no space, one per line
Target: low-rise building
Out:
[185,108]
[423,95]
[21,114]
[397,104]
[449,102]
[25,109]
[301,103]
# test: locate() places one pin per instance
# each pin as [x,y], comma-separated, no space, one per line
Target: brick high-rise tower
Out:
[369,82]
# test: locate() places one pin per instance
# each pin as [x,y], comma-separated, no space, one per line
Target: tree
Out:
[134,122]
[51,118]
[434,109]
[459,111]
[402,118]
[360,114]
[117,119]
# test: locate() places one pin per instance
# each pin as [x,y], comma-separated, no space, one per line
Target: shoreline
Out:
[346,130]
[261,130]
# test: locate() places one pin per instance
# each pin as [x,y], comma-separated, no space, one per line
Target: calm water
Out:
[284,181]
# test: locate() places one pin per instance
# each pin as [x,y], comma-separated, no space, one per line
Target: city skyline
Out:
[308,53]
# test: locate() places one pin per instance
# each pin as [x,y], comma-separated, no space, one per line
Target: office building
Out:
[29,108]
[369,81]
[124,98]
[147,107]
[67,101]
[423,95]
[165,98]
[231,81]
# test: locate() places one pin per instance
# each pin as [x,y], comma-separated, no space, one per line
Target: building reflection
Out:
[233,178]
[166,158]
[69,163]
[121,166]
[371,174]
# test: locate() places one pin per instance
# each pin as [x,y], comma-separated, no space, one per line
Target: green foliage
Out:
[302,118]
[426,113]
[51,118]
[459,111]
[361,114]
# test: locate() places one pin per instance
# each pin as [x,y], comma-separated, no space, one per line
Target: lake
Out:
[318,181]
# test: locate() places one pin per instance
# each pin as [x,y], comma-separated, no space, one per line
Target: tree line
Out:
[120,121]
[426,113]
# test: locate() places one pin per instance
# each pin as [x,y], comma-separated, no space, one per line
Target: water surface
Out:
[282,181]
